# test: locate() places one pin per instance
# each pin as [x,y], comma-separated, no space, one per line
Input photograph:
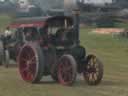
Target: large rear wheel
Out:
[67,70]
[93,70]
[31,62]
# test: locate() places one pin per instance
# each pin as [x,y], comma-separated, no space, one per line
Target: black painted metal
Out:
[76,16]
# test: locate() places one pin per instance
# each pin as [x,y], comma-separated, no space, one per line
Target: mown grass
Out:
[112,51]
[4,21]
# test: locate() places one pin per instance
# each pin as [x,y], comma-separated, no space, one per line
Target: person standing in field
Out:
[7,33]
[7,36]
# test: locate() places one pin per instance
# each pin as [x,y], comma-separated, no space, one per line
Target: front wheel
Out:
[67,70]
[93,70]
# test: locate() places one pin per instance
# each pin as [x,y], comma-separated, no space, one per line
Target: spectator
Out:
[8,32]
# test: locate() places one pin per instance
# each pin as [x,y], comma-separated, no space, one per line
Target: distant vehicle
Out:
[95,2]
[105,14]
[25,9]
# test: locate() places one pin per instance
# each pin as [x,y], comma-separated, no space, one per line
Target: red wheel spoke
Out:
[32,69]
[29,55]
[67,70]
[32,63]
[26,55]
[66,74]
[24,70]
[29,76]
[33,59]
[23,59]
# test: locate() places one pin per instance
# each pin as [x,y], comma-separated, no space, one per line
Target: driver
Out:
[61,36]
[64,37]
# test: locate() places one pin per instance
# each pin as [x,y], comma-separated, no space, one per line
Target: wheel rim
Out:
[65,72]
[91,71]
[28,64]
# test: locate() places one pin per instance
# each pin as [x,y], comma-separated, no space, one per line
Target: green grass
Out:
[112,51]
[4,21]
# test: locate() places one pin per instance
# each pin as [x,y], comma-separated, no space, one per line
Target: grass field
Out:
[4,21]
[112,51]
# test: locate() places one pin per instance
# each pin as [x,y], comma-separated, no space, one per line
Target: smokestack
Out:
[76,15]
[69,6]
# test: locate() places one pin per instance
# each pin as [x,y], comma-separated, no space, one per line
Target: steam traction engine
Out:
[50,45]
[54,49]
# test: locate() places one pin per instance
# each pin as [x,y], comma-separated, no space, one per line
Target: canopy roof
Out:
[38,21]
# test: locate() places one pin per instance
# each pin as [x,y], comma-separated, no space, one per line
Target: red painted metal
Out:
[65,72]
[28,64]
[22,25]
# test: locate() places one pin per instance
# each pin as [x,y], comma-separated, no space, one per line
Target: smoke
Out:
[49,4]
